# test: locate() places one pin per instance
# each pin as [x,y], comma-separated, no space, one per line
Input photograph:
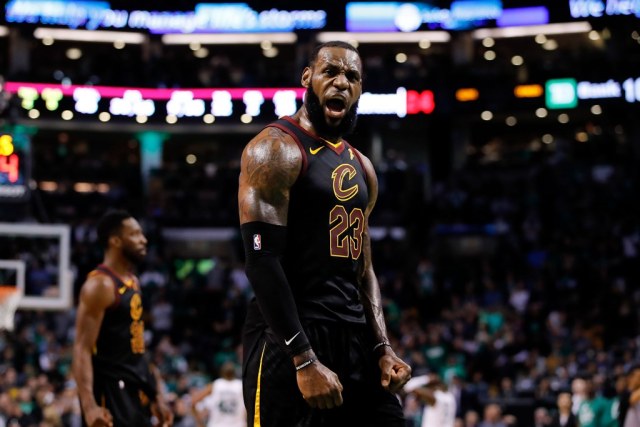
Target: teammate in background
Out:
[222,400]
[116,385]
[439,403]
[315,342]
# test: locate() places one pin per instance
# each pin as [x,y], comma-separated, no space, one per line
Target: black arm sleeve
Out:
[263,245]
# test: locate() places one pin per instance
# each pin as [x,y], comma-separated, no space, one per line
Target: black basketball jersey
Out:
[326,219]
[120,348]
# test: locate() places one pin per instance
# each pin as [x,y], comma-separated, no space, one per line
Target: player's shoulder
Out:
[272,139]
[98,287]
[275,150]
[100,279]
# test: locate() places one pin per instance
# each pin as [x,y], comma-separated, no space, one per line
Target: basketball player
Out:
[222,399]
[439,403]
[115,383]
[316,350]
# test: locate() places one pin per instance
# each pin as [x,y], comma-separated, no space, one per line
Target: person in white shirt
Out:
[579,394]
[222,400]
[439,403]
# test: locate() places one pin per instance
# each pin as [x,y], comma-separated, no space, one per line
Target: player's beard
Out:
[134,257]
[319,121]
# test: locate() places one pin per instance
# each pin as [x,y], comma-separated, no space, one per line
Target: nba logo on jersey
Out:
[257,242]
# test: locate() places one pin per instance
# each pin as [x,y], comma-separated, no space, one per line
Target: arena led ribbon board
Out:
[406,17]
[460,15]
[198,103]
[205,18]
[602,8]
[565,93]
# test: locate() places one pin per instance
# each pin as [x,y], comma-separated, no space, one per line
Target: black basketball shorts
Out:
[129,406]
[271,393]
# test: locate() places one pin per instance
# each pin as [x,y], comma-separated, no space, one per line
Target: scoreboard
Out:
[14,168]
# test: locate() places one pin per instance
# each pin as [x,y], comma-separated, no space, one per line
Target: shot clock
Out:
[14,176]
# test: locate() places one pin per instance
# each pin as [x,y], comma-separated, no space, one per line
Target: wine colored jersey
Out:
[324,252]
[120,347]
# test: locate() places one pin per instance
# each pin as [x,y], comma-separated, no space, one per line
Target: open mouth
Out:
[335,107]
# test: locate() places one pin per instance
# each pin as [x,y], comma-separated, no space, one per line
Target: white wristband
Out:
[305,364]
[381,344]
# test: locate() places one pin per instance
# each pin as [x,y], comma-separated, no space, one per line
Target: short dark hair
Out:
[335,43]
[110,224]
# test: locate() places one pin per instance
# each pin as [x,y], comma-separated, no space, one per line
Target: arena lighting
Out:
[532,30]
[528,91]
[103,188]
[230,38]
[414,37]
[89,36]
[467,94]
[84,187]
[49,186]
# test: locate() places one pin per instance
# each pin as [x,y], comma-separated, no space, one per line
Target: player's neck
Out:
[303,119]
[117,263]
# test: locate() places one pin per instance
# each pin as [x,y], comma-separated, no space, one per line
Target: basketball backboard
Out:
[35,259]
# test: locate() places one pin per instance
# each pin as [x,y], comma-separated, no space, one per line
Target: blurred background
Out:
[506,139]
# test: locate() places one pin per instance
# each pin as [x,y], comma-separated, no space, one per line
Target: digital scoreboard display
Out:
[14,169]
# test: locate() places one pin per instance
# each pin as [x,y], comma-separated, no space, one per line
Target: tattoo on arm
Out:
[270,165]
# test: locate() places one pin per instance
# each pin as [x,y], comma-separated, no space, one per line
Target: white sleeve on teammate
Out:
[205,404]
[416,382]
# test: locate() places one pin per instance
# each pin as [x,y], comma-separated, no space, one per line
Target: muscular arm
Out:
[270,165]
[95,296]
[395,373]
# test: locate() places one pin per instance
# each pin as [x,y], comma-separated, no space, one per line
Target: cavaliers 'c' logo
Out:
[136,307]
[339,174]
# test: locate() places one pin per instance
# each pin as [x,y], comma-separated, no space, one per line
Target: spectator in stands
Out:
[471,419]
[593,409]
[632,415]
[492,416]
[579,394]
[541,417]
[564,416]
